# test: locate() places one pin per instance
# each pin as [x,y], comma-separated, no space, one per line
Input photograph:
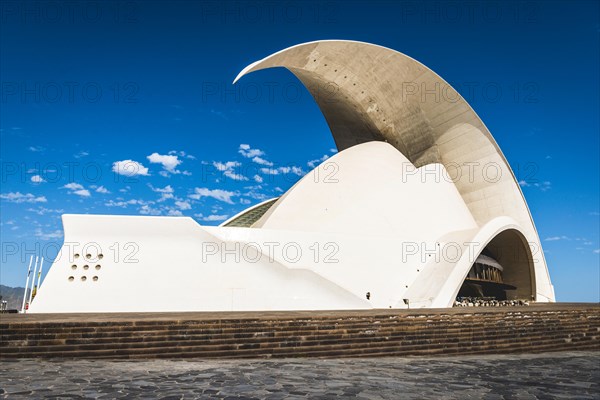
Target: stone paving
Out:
[572,375]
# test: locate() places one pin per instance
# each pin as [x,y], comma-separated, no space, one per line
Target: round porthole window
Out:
[83,279]
[98,267]
[74,267]
[76,255]
[86,267]
[95,278]
[100,256]
[71,278]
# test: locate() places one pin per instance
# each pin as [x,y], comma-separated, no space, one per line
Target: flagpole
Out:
[40,273]
[37,287]
[33,280]
[26,284]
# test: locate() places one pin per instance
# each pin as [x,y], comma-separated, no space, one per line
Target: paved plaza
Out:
[572,375]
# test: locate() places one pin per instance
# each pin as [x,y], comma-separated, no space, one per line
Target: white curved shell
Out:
[380,217]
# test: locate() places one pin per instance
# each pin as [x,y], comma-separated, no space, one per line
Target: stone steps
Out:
[26,331]
[424,332]
[251,334]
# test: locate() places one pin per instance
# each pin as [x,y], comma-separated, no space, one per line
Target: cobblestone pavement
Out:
[574,375]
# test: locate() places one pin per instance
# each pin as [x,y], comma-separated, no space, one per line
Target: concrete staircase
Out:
[303,334]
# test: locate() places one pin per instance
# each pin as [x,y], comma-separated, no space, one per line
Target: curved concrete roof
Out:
[368,92]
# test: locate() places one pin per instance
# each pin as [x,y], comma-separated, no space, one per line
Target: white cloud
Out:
[182,154]
[166,189]
[183,205]
[165,193]
[18,197]
[314,163]
[262,161]
[228,169]
[555,238]
[258,178]
[254,194]
[82,193]
[249,152]
[245,201]
[37,179]
[174,213]
[169,162]
[269,171]
[596,251]
[282,170]
[543,186]
[102,189]
[298,171]
[123,203]
[57,234]
[217,194]
[81,154]
[129,168]
[73,186]
[76,188]
[215,217]
[44,210]
[36,149]
[147,210]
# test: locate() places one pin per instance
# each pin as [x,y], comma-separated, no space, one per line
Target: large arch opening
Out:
[503,270]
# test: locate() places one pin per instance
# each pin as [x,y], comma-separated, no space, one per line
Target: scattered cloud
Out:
[102,189]
[18,197]
[148,210]
[228,169]
[262,161]
[314,163]
[44,210]
[36,149]
[37,179]
[248,152]
[123,204]
[76,188]
[543,186]
[57,234]
[217,194]
[596,251]
[258,178]
[283,170]
[182,154]
[166,193]
[168,161]
[129,168]
[81,154]
[215,217]
[183,205]
[555,238]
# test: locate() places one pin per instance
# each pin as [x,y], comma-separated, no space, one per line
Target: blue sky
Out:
[95,92]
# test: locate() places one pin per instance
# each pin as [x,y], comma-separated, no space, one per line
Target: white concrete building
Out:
[418,206]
